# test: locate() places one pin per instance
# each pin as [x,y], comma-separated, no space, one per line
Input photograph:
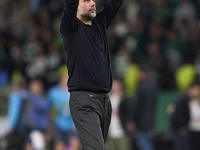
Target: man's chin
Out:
[89,16]
[93,15]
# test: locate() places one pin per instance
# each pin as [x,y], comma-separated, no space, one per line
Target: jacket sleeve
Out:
[68,20]
[108,13]
[181,116]
[13,110]
[138,104]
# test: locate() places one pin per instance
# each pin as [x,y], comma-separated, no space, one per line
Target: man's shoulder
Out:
[57,90]
[13,94]
[53,89]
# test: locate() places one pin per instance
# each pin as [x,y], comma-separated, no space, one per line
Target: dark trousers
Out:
[91,113]
[181,141]
[195,140]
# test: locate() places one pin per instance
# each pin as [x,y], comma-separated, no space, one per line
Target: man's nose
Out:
[92,3]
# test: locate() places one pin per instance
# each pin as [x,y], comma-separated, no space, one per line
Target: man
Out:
[16,109]
[117,138]
[181,117]
[146,98]
[144,110]
[88,61]
[37,118]
[58,97]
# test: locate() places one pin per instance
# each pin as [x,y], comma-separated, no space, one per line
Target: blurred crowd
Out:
[160,34]
[154,46]
[39,120]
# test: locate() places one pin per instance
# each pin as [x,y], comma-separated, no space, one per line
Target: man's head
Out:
[144,73]
[194,90]
[86,11]
[19,84]
[36,87]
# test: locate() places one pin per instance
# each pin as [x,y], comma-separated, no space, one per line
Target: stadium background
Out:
[162,35]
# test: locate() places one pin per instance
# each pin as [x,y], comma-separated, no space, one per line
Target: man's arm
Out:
[73,4]
[68,20]
[108,13]
[13,110]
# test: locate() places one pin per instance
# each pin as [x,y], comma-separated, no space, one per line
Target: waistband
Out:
[92,94]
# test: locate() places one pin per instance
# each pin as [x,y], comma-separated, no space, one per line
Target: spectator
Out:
[17,137]
[17,55]
[58,97]
[161,13]
[117,137]
[146,10]
[194,123]
[144,108]
[132,11]
[120,28]
[130,80]
[184,11]
[38,112]
[173,51]
[156,62]
[121,60]
[191,47]
[53,61]
[180,113]
[38,65]
[39,106]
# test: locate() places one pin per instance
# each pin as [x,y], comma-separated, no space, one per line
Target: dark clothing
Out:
[144,112]
[181,141]
[125,112]
[65,136]
[86,47]
[180,120]
[34,113]
[194,140]
[145,102]
[181,116]
[91,113]
[12,140]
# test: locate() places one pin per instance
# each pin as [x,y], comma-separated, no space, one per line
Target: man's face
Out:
[36,87]
[86,10]
[194,91]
